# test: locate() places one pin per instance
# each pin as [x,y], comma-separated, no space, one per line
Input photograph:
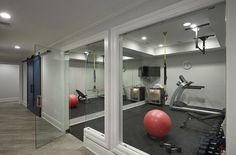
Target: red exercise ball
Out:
[157,123]
[73,100]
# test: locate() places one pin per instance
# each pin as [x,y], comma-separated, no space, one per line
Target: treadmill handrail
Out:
[193,87]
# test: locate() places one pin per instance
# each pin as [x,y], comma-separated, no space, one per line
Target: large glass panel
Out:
[86,82]
[173,82]
[94,85]
[49,94]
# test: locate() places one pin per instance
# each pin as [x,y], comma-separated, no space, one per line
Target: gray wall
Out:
[9,83]
[207,70]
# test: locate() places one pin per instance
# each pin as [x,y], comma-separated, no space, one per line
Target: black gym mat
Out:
[135,135]
[93,105]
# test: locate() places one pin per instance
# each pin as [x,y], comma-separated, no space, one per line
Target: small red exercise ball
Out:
[73,100]
[157,123]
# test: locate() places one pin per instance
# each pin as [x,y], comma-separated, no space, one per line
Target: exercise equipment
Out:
[202,38]
[170,148]
[73,101]
[137,94]
[81,96]
[177,104]
[193,112]
[157,123]
[214,142]
[165,68]
[156,96]
[94,71]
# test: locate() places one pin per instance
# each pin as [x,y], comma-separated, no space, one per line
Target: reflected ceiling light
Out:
[144,38]
[187,24]
[5,15]
[17,47]
[86,53]
[161,45]
[193,26]
[127,58]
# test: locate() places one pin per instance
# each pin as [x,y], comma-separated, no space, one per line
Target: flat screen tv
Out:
[149,71]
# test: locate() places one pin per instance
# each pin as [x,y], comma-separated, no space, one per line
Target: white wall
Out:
[9,83]
[24,83]
[81,77]
[207,70]
[53,90]
[231,75]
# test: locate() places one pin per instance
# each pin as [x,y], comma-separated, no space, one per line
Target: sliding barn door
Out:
[34,84]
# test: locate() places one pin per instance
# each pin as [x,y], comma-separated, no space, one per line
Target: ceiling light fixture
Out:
[186,24]
[17,47]
[144,38]
[5,15]
[161,45]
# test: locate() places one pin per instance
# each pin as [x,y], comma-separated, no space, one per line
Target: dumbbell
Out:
[166,145]
[203,152]
[173,149]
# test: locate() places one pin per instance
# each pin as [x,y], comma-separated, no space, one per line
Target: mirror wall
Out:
[174,86]
[86,88]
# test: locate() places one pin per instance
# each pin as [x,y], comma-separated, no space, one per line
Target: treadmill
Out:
[177,104]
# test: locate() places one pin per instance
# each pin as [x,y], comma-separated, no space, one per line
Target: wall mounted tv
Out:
[149,71]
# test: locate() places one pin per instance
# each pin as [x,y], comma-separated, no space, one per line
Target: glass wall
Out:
[86,83]
[173,83]
[48,94]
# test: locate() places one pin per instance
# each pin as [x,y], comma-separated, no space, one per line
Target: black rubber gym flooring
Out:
[135,135]
[93,105]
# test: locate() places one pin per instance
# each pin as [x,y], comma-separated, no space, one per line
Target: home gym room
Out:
[175,69]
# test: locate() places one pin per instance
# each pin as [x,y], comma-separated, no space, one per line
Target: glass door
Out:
[49,124]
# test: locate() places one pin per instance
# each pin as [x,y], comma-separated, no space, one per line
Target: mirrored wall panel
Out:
[86,87]
[173,84]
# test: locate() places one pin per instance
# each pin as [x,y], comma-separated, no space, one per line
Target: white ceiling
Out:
[176,33]
[45,21]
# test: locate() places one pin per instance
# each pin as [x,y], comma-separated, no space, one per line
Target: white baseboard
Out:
[24,103]
[86,118]
[10,99]
[52,121]
[96,115]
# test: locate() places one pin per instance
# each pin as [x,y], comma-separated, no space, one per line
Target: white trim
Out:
[99,114]
[171,11]
[86,41]
[52,121]
[133,105]
[86,118]
[98,37]
[10,99]
[126,149]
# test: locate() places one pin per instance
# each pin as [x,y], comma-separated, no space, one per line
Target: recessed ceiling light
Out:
[144,38]
[161,45]
[17,47]
[86,53]
[5,15]
[193,26]
[186,24]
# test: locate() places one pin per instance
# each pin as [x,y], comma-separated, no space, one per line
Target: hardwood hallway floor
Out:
[17,135]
